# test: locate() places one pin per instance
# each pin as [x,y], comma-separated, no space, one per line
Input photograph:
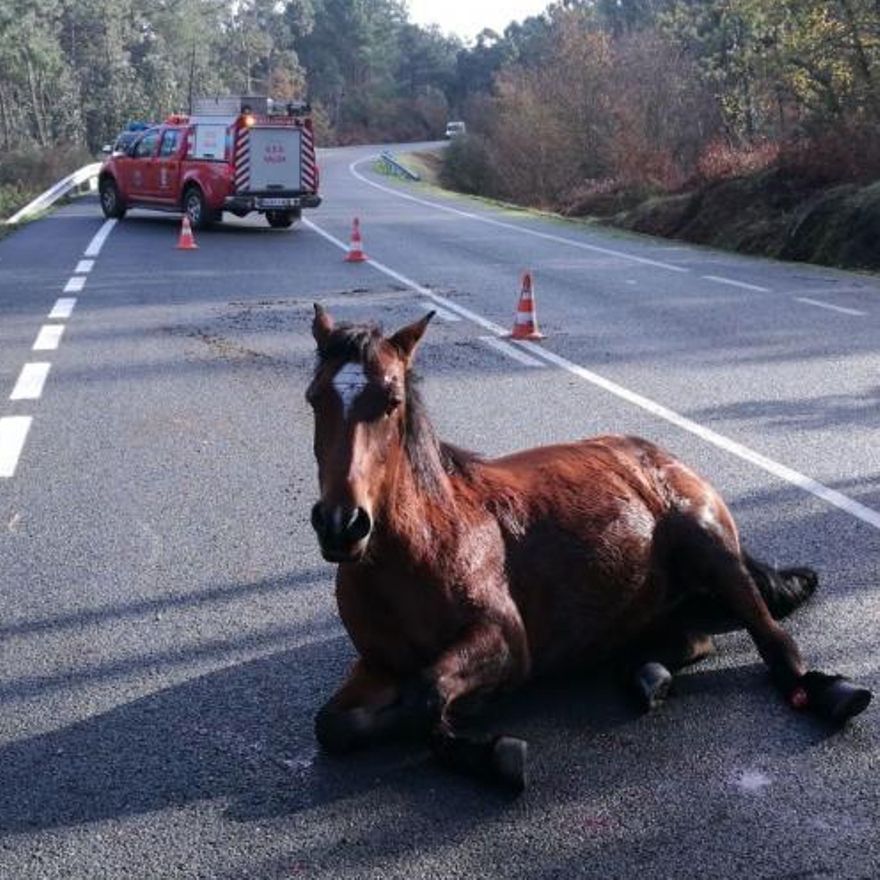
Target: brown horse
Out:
[460,576]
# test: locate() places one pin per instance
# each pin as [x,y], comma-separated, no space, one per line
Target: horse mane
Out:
[429,457]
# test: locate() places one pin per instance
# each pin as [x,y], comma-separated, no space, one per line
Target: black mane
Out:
[429,457]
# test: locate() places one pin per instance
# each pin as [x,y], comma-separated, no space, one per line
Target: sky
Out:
[468,17]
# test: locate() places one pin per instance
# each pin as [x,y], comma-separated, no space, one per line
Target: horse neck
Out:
[418,520]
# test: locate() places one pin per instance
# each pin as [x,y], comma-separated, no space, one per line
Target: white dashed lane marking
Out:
[511,351]
[32,379]
[63,307]
[75,284]
[13,433]
[720,279]
[30,382]
[100,237]
[445,315]
[824,305]
[48,337]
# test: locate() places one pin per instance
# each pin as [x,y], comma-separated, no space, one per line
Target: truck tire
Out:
[282,219]
[196,208]
[111,199]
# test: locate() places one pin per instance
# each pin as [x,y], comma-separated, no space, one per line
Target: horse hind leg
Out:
[711,568]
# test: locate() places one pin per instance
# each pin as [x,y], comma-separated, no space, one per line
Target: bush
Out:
[35,170]
[25,174]
[467,166]
[722,161]
[848,154]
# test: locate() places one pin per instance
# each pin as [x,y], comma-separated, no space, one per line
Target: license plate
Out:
[277,203]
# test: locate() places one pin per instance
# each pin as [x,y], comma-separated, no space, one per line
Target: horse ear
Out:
[406,339]
[322,325]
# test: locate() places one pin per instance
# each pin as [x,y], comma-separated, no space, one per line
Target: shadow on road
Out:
[244,734]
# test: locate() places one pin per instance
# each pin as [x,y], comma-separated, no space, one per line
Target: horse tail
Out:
[783,589]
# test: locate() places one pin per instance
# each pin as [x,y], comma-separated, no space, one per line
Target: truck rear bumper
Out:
[271,201]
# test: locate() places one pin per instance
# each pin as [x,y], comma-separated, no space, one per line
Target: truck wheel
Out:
[282,219]
[111,200]
[196,208]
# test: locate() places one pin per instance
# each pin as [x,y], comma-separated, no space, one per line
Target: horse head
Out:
[358,395]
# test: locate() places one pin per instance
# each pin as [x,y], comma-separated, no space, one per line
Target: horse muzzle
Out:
[343,533]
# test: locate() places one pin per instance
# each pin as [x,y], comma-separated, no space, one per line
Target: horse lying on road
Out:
[460,576]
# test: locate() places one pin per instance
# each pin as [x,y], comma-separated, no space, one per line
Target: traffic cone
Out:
[525,326]
[355,250]
[186,242]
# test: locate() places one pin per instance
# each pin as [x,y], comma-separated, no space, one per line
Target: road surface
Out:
[168,627]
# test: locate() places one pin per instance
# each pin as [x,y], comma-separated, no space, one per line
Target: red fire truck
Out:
[233,154]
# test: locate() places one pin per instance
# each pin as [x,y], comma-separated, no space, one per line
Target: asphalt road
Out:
[167,626]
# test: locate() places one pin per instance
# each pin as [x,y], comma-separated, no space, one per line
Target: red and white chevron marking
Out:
[309,167]
[242,159]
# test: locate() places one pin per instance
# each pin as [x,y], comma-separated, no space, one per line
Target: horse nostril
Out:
[359,526]
[318,518]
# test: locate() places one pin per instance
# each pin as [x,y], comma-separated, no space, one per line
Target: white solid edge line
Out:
[63,307]
[49,337]
[524,230]
[720,279]
[507,349]
[13,433]
[75,284]
[824,305]
[30,382]
[783,472]
[99,238]
[83,267]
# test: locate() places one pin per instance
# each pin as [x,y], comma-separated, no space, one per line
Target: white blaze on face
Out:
[349,382]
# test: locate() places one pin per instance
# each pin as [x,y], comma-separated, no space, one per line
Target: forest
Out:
[592,106]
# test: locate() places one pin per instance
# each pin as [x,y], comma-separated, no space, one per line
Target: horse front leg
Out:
[368,707]
[487,658]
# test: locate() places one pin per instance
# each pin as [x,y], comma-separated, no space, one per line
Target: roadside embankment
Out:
[774,212]
[771,214]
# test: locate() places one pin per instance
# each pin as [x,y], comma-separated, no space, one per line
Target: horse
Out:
[460,577]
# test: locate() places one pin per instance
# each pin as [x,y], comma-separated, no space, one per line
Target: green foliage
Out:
[76,71]
[468,166]
[589,90]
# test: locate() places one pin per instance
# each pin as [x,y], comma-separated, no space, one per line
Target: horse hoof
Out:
[510,758]
[339,732]
[654,682]
[835,698]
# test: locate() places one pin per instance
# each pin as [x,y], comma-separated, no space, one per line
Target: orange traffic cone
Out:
[525,326]
[355,250]
[186,242]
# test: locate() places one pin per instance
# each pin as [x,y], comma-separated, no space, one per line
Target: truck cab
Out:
[217,161]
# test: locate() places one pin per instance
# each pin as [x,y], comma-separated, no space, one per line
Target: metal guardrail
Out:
[391,166]
[88,174]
